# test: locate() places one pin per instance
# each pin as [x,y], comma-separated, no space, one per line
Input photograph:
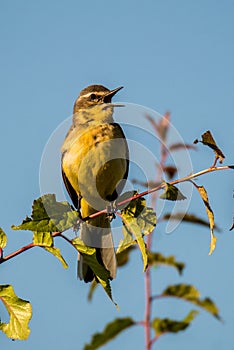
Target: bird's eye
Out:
[93,97]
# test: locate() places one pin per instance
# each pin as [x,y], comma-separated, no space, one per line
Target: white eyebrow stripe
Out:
[99,93]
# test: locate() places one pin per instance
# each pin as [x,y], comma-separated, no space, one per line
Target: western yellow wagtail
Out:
[94,163]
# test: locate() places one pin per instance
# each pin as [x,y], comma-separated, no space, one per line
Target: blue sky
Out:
[168,55]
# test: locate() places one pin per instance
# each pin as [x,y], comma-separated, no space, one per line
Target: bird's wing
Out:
[72,193]
[120,134]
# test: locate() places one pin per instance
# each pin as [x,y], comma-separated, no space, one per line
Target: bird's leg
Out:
[76,226]
[111,210]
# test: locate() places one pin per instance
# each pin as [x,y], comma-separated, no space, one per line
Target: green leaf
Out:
[208,140]
[110,332]
[45,241]
[172,193]
[48,215]
[125,243]
[138,221]
[56,252]
[190,293]
[90,257]
[123,256]
[191,218]
[210,215]
[131,227]
[146,217]
[159,259]
[20,312]
[3,239]
[167,325]
[147,220]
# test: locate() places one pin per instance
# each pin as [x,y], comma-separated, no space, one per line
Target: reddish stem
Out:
[17,252]
[147,309]
[162,185]
[23,249]
[156,338]
[148,292]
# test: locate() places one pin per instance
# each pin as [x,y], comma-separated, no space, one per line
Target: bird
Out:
[95,165]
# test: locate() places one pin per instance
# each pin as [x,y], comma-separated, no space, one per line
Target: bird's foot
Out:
[77,224]
[111,210]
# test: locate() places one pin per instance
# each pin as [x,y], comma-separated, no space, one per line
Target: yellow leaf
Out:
[3,239]
[212,243]
[20,312]
[210,215]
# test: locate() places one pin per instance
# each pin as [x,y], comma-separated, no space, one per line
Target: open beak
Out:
[108,96]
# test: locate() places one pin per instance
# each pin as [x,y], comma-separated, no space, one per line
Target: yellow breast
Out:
[95,160]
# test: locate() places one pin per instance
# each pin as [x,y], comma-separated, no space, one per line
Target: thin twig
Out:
[163,185]
[17,252]
[156,338]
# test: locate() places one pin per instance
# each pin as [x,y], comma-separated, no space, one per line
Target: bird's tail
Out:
[96,233]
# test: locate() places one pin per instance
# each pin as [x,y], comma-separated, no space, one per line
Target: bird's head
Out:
[94,95]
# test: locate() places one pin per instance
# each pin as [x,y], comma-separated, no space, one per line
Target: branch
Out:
[156,338]
[147,309]
[148,291]
[17,252]
[27,247]
[159,296]
[161,186]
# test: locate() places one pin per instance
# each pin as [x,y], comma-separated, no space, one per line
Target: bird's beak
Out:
[108,96]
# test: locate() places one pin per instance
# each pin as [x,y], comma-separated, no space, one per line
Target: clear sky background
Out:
[169,55]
